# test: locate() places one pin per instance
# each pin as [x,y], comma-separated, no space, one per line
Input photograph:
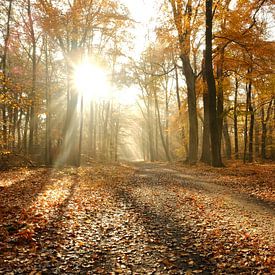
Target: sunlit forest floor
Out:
[138,218]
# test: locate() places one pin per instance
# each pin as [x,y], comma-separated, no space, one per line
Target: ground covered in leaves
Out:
[138,219]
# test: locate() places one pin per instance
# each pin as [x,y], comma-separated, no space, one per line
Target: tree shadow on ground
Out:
[176,242]
[20,195]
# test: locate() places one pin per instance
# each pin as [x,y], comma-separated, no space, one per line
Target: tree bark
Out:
[236,137]
[180,111]
[213,122]
[206,153]
[227,140]
[192,109]
[182,19]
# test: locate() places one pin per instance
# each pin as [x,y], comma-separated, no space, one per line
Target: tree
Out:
[213,121]
[73,30]
[183,19]
[4,76]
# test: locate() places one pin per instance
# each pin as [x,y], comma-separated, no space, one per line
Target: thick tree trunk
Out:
[213,122]
[183,21]
[192,109]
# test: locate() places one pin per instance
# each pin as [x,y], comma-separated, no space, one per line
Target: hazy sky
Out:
[142,11]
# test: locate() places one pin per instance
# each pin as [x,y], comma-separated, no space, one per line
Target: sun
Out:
[91,81]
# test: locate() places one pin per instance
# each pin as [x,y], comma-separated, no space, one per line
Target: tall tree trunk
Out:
[180,111]
[167,155]
[4,71]
[182,19]
[206,153]
[33,87]
[236,137]
[192,109]
[70,145]
[252,118]
[213,122]
[246,126]
[248,138]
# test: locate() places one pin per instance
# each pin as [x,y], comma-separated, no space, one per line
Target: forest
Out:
[124,124]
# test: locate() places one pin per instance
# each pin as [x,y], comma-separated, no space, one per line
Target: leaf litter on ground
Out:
[138,219]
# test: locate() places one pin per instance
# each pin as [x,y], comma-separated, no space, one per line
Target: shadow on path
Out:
[175,241]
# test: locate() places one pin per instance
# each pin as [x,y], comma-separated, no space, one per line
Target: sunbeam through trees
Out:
[137,137]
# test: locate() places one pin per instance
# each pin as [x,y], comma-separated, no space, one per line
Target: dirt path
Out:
[134,219]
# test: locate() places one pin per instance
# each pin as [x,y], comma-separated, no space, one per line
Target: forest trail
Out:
[138,218]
